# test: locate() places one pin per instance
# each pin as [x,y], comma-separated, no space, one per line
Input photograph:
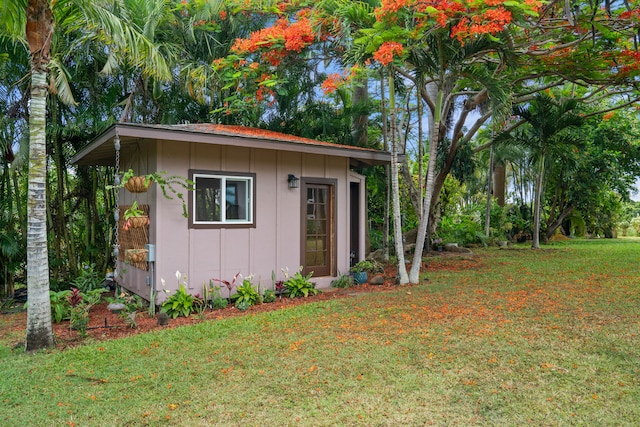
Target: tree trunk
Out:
[387,176]
[414,274]
[551,229]
[415,194]
[499,182]
[360,122]
[487,210]
[39,31]
[403,278]
[537,205]
[39,329]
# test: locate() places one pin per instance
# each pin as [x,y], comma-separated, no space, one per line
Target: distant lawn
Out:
[506,338]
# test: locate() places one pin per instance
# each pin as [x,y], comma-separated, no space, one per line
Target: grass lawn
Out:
[505,337]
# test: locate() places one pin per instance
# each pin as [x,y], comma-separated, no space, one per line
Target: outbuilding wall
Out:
[274,242]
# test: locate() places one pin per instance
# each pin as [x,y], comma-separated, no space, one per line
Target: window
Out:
[222,200]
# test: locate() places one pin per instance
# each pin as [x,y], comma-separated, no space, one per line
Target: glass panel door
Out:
[318,239]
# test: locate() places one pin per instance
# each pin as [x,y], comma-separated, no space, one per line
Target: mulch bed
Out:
[106,325]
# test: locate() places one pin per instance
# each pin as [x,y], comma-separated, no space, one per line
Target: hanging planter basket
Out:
[138,221]
[138,184]
[134,256]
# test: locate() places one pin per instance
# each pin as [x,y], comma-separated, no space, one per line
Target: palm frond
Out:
[61,86]
[122,37]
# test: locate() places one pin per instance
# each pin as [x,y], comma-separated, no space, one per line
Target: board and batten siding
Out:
[274,242]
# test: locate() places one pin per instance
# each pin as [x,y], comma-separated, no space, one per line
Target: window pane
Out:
[207,198]
[238,204]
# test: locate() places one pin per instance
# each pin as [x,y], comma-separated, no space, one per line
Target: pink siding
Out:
[203,254]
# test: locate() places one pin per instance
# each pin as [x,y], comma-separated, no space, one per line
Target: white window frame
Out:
[249,178]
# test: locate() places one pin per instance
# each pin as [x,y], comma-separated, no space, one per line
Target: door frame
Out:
[332,223]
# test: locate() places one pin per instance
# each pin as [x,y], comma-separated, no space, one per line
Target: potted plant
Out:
[360,271]
[437,244]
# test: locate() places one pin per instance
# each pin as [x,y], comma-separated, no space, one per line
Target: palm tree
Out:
[545,135]
[33,22]
[448,72]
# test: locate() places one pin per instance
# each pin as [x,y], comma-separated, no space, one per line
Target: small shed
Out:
[262,202]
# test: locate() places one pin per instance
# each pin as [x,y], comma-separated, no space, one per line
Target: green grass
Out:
[506,337]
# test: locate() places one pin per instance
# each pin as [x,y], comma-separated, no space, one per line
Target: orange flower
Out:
[385,53]
[331,84]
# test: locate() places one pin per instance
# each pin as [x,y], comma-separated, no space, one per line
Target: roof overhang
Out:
[101,151]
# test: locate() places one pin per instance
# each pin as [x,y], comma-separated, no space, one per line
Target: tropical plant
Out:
[219,303]
[60,308]
[546,135]
[89,278]
[230,285]
[34,23]
[199,305]
[131,301]
[268,296]
[179,304]
[79,312]
[214,296]
[362,266]
[80,303]
[246,295]
[343,281]
[299,285]
[133,211]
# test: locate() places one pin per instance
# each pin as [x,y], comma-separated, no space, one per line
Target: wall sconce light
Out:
[294,181]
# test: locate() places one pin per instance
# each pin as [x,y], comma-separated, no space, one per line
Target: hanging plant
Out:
[133,256]
[137,184]
[141,183]
[134,217]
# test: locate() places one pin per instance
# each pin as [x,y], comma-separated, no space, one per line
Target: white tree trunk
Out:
[39,329]
[434,130]
[403,278]
[537,204]
[487,213]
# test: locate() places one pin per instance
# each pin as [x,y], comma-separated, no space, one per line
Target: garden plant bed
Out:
[106,325]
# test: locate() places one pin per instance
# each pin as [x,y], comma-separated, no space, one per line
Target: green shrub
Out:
[300,286]
[60,308]
[179,304]
[464,230]
[246,295]
[269,296]
[88,280]
[344,281]
[213,295]
[80,304]
[218,303]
